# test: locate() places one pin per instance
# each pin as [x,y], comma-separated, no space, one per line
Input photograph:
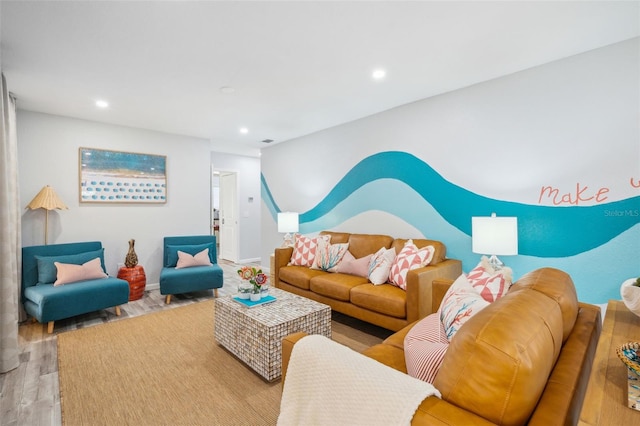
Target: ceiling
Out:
[294,68]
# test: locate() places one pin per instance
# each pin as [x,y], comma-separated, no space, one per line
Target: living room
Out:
[554,144]
[494,118]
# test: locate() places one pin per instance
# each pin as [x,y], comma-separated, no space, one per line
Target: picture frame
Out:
[121,177]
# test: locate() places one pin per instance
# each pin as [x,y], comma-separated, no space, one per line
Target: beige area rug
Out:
[166,368]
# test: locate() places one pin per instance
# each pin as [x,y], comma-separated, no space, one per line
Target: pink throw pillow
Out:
[70,273]
[491,284]
[460,303]
[185,260]
[424,348]
[304,249]
[410,257]
[352,266]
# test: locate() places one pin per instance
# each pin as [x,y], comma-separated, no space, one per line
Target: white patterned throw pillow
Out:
[380,265]
[490,283]
[328,255]
[304,249]
[410,257]
[460,303]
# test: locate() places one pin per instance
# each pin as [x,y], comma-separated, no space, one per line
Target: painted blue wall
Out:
[557,146]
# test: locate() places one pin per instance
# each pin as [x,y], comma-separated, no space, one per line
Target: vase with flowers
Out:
[256,278]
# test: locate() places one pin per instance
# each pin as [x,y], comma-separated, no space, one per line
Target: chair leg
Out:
[215,292]
[118,311]
[167,300]
[50,327]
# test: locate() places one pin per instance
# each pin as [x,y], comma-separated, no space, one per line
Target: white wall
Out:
[48,155]
[249,226]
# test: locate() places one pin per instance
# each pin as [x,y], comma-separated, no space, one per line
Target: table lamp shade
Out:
[288,222]
[494,235]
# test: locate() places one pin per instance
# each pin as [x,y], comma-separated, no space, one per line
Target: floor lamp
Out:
[47,199]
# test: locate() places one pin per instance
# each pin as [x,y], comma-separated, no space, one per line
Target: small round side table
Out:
[136,278]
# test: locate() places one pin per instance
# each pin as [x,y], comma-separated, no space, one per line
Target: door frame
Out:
[231,252]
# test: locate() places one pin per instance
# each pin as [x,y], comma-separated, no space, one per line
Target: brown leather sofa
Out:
[384,305]
[524,359]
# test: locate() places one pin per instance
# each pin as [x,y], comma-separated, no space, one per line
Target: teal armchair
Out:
[195,278]
[48,303]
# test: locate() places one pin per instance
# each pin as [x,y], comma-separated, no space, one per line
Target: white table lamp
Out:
[287,223]
[494,236]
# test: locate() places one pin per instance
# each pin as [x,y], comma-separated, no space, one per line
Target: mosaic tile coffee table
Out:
[255,334]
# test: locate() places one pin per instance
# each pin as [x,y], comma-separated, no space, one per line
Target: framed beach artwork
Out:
[122,177]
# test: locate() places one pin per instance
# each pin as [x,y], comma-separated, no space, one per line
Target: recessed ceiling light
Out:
[102,104]
[244,130]
[379,74]
[227,89]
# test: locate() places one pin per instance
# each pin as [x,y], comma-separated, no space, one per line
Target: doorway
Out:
[225,226]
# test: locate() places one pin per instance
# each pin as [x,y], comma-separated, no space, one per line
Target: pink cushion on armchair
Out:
[70,273]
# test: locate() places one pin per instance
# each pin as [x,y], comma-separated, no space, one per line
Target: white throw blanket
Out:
[330,384]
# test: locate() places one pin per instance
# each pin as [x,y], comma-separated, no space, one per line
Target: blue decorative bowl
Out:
[629,353]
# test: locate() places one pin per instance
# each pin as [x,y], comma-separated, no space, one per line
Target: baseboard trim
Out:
[252,260]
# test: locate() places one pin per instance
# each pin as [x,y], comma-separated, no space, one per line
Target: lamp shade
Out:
[494,235]
[287,222]
[47,199]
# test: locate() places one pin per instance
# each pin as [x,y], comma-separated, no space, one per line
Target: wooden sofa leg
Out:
[118,311]
[215,292]
[167,300]
[50,327]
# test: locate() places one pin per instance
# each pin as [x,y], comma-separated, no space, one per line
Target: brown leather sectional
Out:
[384,305]
[524,359]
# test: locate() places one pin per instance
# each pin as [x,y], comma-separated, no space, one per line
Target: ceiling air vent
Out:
[267,141]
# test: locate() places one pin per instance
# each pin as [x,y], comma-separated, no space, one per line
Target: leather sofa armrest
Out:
[281,257]
[438,290]
[420,288]
[434,411]
[287,347]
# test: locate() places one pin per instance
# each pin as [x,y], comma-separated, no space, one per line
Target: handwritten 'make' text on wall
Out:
[581,195]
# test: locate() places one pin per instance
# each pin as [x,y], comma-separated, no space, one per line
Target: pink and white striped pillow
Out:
[424,348]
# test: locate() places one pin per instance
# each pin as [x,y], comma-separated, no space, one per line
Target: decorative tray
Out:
[250,304]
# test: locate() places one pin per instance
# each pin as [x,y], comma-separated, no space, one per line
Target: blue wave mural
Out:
[597,245]
[544,231]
